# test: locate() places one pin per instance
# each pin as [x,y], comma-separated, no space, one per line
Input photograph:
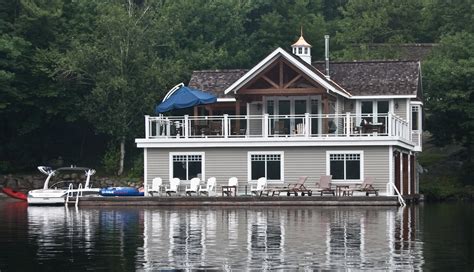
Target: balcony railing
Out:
[266,126]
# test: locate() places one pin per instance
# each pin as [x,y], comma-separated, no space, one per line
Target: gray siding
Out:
[402,108]
[348,103]
[224,163]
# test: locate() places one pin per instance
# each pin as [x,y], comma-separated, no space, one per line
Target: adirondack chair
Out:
[260,187]
[210,187]
[173,188]
[156,186]
[193,186]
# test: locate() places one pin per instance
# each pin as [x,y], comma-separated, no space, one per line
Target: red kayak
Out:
[13,193]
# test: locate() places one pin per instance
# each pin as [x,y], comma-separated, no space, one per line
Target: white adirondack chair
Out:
[210,187]
[156,185]
[193,186]
[260,186]
[173,188]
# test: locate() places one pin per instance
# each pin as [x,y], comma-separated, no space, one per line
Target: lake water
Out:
[421,237]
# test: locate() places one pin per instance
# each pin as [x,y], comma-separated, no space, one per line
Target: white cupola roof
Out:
[302,49]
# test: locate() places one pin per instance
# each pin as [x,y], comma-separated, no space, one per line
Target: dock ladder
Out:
[399,196]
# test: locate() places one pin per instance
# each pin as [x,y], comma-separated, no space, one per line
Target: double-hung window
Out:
[186,166]
[345,165]
[265,164]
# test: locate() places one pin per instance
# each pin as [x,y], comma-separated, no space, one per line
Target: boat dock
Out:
[239,201]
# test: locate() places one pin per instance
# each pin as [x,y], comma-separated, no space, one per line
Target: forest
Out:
[77,76]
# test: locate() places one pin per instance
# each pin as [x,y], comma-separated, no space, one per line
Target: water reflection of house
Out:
[288,116]
[286,238]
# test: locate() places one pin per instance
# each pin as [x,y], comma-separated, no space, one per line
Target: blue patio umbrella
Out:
[181,97]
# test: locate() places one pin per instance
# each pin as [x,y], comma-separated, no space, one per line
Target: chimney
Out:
[326,47]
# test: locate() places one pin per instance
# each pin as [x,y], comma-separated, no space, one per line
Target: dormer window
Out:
[305,50]
[299,50]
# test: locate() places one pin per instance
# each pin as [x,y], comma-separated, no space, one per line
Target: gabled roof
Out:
[376,78]
[360,78]
[297,62]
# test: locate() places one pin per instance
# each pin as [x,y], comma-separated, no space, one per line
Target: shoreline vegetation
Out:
[69,94]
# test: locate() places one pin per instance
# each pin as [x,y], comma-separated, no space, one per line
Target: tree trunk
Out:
[122,156]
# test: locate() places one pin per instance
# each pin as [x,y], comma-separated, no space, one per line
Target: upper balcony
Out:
[237,128]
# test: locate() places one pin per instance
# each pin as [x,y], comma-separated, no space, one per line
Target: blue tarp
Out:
[185,97]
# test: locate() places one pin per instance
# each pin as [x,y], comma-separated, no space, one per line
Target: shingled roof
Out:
[360,78]
[364,78]
[215,81]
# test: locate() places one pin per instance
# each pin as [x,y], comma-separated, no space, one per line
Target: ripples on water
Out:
[150,239]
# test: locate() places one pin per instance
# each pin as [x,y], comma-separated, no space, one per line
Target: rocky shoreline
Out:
[26,182]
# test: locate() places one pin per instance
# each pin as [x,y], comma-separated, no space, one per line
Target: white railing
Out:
[392,186]
[251,126]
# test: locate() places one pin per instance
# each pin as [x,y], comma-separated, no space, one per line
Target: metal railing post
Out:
[186,126]
[147,126]
[307,126]
[265,125]
[226,125]
[389,124]
[348,124]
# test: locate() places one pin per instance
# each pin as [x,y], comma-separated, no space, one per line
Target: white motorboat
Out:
[56,193]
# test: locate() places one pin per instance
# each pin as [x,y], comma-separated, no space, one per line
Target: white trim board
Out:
[269,142]
[203,162]
[282,165]
[361,172]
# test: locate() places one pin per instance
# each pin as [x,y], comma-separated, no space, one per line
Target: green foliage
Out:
[449,95]
[136,170]
[443,188]
[74,71]
[110,160]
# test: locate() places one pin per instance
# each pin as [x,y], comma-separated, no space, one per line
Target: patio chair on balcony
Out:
[209,188]
[173,188]
[366,186]
[193,186]
[299,129]
[260,187]
[215,127]
[279,128]
[324,185]
[155,186]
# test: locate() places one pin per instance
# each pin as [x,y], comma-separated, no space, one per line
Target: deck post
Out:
[186,126]
[348,124]
[306,125]
[147,126]
[168,127]
[389,124]
[226,126]
[265,125]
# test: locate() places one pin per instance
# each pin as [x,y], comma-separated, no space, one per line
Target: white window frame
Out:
[419,119]
[282,165]
[308,98]
[375,106]
[203,162]
[328,165]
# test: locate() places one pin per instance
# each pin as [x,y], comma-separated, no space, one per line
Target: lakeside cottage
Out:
[288,117]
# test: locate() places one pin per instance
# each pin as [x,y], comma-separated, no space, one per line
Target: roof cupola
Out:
[302,49]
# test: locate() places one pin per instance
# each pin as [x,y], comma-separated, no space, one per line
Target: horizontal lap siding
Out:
[224,163]
[376,165]
[402,108]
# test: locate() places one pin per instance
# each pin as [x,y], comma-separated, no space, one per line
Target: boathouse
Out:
[288,117]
